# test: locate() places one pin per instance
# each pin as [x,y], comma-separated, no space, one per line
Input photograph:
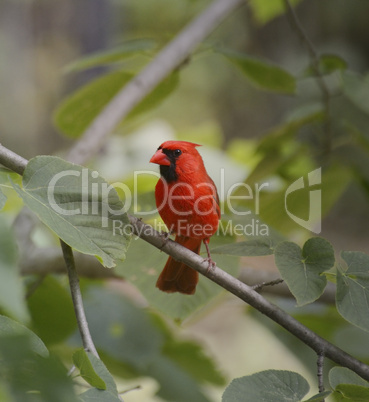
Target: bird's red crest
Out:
[179,144]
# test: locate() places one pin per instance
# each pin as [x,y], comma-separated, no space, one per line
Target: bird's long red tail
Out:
[179,277]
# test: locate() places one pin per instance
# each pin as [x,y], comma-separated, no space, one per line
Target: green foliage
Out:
[53,321]
[9,328]
[83,361]
[266,10]
[356,88]
[270,385]
[130,337]
[303,269]
[84,216]
[11,287]
[77,111]
[95,373]
[319,133]
[115,55]
[262,74]
[353,288]
[31,374]
[329,63]
[347,385]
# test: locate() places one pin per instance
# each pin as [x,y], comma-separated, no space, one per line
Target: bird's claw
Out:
[212,264]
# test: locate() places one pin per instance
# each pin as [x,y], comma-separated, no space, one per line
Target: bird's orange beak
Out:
[160,158]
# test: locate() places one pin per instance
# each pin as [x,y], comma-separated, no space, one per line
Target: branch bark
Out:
[164,63]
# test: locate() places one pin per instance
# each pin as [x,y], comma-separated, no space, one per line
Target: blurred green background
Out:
[253,133]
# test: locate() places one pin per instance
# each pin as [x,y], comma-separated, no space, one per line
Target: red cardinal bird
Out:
[187,200]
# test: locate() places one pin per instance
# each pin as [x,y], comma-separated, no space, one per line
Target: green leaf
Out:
[302,269]
[110,392]
[250,248]
[12,297]
[2,199]
[353,393]
[269,385]
[192,359]
[121,329]
[175,384]
[78,206]
[266,10]
[55,320]
[75,114]
[356,88]
[348,385]
[32,378]
[319,397]
[329,63]
[342,375]
[128,49]
[10,328]
[352,296]
[263,74]
[82,361]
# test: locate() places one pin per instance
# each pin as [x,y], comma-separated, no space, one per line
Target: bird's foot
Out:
[212,264]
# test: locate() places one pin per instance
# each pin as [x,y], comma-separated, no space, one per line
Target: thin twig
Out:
[87,341]
[136,388]
[314,58]
[320,366]
[234,286]
[34,286]
[164,63]
[259,287]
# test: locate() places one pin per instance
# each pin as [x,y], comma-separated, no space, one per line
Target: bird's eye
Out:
[177,152]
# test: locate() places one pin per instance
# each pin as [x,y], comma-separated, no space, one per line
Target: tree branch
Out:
[164,63]
[12,160]
[236,287]
[320,366]
[75,290]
